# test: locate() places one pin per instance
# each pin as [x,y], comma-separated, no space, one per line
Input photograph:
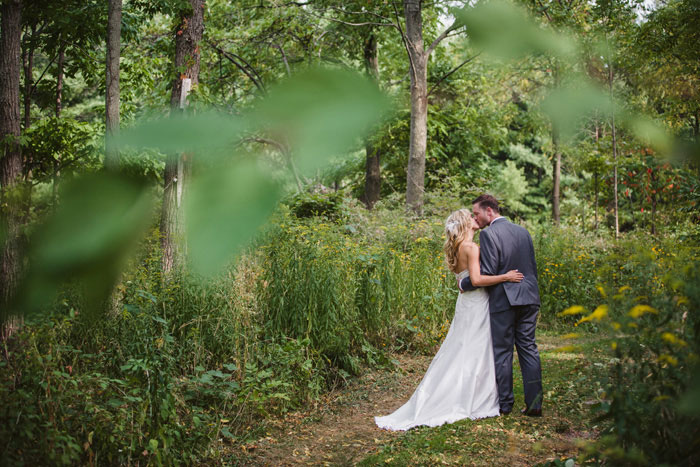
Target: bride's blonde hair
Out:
[456,230]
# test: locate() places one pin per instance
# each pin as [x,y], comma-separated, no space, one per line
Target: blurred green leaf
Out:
[505,30]
[317,114]
[99,220]
[569,104]
[321,113]
[650,132]
[224,210]
[205,133]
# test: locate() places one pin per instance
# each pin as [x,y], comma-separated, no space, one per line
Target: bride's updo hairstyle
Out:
[456,230]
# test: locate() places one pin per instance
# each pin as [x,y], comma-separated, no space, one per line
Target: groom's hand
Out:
[465,285]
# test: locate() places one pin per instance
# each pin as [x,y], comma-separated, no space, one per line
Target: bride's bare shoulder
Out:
[468,248]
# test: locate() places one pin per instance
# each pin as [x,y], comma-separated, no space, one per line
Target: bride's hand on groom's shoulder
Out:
[514,276]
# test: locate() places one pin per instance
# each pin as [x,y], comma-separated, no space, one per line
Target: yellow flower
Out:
[665,358]
[639,310]
[573,310]
[598,314]
[623,288]
[613,346]
[671,339]
[601,290]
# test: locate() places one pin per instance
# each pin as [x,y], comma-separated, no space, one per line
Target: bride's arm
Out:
[478,279]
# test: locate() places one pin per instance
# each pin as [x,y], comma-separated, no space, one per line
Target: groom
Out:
[513,306]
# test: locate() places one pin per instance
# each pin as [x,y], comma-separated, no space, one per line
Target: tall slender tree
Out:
[11,156]
[418,71]
[188,35]
[372,167]
[114,23]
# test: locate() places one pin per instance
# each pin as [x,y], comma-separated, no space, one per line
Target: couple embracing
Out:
[471,376]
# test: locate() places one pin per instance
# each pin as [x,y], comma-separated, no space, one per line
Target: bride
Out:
[461,380]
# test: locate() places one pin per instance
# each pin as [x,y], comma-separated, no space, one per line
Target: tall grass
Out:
[184,367]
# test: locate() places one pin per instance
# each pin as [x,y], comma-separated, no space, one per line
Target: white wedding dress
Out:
[461,380]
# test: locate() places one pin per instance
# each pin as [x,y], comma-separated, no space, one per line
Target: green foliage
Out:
[647,296]
[329,205]
[350,295]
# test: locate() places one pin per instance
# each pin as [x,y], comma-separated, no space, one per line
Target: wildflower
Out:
[671,339]
[613,346]
[639,310]
[573,310]
[665,358]
[598,314]
[623,288]
[601,290]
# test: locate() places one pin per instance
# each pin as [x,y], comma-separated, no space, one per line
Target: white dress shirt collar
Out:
[497,219]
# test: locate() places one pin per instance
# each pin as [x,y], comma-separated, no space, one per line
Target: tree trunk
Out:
[59,80]
[654,200]
[595,175]
[59,107]
[614,148]
[556,172]
[11,156]
[114,23]
[415,173]
[177,166]
[28,66]
[556,176]
[595,178]
[373,170]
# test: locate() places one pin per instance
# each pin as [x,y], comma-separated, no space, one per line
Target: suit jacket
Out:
[506,246]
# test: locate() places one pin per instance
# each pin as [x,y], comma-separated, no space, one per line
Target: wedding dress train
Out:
[461,380]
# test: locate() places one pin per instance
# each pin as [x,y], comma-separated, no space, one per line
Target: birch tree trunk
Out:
[114,23]
[415,173]
[177,166]
[11,155]
[372,169]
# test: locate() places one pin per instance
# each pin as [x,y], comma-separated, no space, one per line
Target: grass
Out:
[341,431]
[570,391]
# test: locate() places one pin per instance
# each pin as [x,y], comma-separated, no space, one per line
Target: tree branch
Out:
[249,71]
[455,25]
[284,57]
[405,42]
[451,72]
[282,148]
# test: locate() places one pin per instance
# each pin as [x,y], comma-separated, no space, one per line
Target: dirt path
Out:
[341,431]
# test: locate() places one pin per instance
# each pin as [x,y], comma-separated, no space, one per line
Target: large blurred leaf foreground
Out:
[310,117]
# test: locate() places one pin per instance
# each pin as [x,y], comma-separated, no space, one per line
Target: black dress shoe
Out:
[531,412]
[504,412]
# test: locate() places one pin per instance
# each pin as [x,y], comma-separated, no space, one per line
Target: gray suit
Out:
[513,307]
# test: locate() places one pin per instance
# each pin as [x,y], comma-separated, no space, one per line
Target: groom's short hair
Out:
[487,201]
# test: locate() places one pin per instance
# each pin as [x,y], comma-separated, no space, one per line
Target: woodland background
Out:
[213,213]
